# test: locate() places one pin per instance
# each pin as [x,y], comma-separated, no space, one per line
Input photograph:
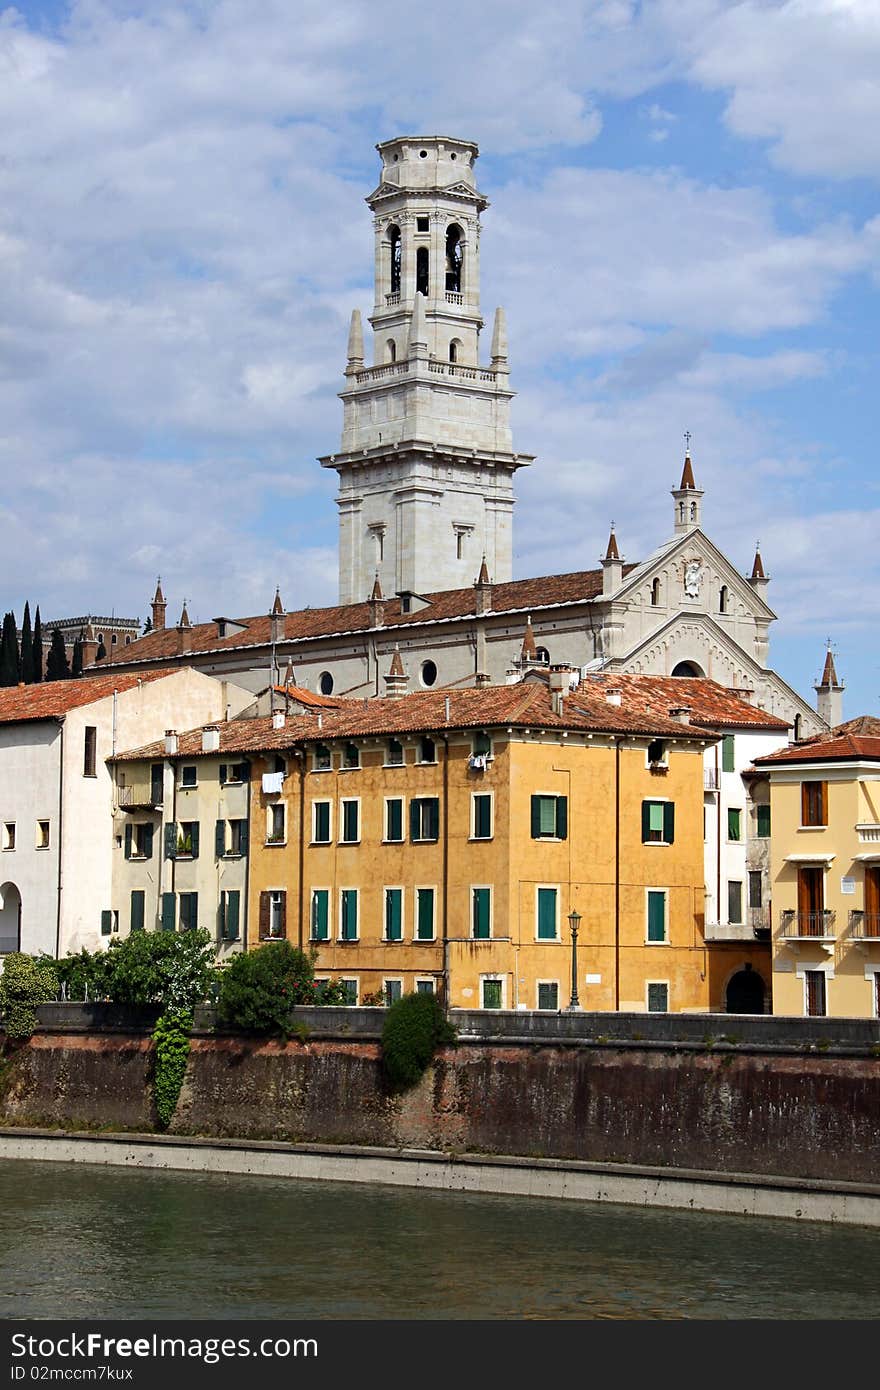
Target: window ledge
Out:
[348,941]
[664,942]
[664,844]
[393,842]
[394,765]
[323,769]
[480,839]
[348,842]
[808,829]
[90,774]
[434,840]
[275,844]
[239,854]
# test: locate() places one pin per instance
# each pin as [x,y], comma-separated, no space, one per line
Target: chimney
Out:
[276,619]
[681,714]
[482,678]
[278,719]
[482,590]
[558,677]
[170,742]
[210,739]
[614,696]
[397,680]
[158,607]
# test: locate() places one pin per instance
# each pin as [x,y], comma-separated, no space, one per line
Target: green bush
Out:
[259,988]
[83,976]
[24,984]
[414,1026]
[174,969]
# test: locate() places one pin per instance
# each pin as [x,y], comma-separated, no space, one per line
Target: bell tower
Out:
[426,463]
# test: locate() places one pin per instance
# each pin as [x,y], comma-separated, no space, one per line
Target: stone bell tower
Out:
[426,463]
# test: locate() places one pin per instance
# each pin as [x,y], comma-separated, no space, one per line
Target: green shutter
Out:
[168,910]
[194,836]
[481,913]
[547,914]
[349,914]
[483,817]
[220,839]
[393,914]
[189,901]
[562,817]
[548,816]
[425,923]
[536,817]
[656,916]
[320,914]
[733,824]
[414,819]
[764,822]
[727,763]
[128,839]
[646,821]
[232,911]
[669,821]
[137,909]
[106,921]
[433,819]
[222,774]
[148,840]
[171,840]
[395,820]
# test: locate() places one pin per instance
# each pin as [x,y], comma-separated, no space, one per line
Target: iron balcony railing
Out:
[710,779]
[807,926]
[759,920]
[139,797]
[864,925]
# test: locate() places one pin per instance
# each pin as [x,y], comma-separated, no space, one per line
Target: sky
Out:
[684,231]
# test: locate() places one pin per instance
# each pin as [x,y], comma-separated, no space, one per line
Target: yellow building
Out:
[825,870]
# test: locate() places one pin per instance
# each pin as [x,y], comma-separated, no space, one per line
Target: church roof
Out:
[517,595]
[857,738]
[758,566]
[687,475]
[829,675]
[277,606]
[612,553]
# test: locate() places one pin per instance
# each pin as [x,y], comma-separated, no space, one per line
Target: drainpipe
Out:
[60,844]
[717,840]
[301,755]
[446,993]
[247,862]
[617,743]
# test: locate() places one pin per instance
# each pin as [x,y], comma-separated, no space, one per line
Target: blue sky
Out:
[684,230]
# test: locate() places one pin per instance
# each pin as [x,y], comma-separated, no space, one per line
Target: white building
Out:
[56,793]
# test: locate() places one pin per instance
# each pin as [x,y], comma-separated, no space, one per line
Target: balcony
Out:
[711,777]
[864,926]
[759,921]
[392,299]
[140,798]
[808,926]
[868,833]
[453,297]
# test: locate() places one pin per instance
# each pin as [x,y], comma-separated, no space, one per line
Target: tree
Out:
[148,627]
[38,646]
[27,647]
[77,668]
[57,665]
[9,660]
[259,988]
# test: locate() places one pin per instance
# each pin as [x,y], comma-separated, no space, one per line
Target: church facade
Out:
[426,471]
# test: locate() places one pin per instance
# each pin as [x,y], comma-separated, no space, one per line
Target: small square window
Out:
[658,997]
[423,224]
[424,986]
[323,758]
[42,834]
[351,756]
[233,773]
[548,995]
[427,750]
[394,753]
[189,775]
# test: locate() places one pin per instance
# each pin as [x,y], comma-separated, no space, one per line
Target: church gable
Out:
[692,573]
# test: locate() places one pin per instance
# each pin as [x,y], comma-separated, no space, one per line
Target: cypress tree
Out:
[38,647]
[27,647]
[77,669]
[148,627]
[9,660]
[57,665]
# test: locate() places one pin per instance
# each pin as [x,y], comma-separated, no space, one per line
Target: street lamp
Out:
[574,921]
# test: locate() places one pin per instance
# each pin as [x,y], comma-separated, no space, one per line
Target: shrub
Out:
[174,969]
[24,984]
[171,1038]
[83,976]
[259,988]
[414,1026]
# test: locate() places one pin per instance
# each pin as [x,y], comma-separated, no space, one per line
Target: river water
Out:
[80,1241]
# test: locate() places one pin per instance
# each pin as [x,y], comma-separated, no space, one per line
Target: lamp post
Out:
[574,921]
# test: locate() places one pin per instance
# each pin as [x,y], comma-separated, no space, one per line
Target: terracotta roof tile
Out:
[857,738]
[52,699]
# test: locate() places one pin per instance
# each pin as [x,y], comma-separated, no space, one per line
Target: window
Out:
[658,822]
[734,823]
[427,751]
[275,833]
[453,355]
[273,914]
[727,760]
[492,993]
[233,844]
[320,822]
[393,914]
[109,921]
[393,819]
[549,817]
[325,683]
[547,914]
[229,914]
[454,256]
[351,990]
[424,914]
[43,834]
[422,268]
[320,914]
[424,818]
[658,997]
[481,747]
[814,803]
[393,990]
[348,914]
[9,835]
[429,673]
[656,914]
[351,756]
[394,753]
[189,775]
[481,816]
[189,911]
[481,914]
[548,995]
[169,909]
[422,224]
[657,752]
[734,901]
[722,599]
[233,773]
[138,840]
[814,993]
[763,822]
[350,822]
[187,838]
[90,746]
[136,915]
[756,890]
[323,758]
[424,986]
[655,592]
[394,249]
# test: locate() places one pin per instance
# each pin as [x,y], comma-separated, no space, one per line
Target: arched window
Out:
[655,593]
[797,728]
[454,256]
[422,270]
[542,654]
[722,599]
[454,347]
[693,511]
[394,241]
[686,668]
[391,351]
